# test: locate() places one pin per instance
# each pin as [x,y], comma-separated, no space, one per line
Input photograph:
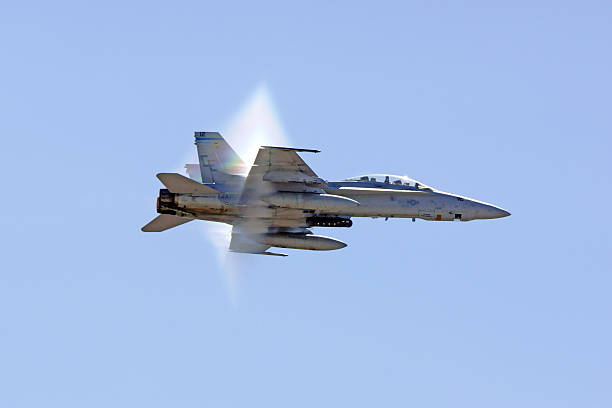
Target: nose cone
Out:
[491,211]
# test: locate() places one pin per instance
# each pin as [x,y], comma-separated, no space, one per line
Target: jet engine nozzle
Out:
[165,201]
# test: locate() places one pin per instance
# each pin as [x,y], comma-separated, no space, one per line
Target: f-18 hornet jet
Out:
[282,199]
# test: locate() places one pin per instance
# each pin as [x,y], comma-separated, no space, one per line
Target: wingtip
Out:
[292,149]
[274,254]
[257,253]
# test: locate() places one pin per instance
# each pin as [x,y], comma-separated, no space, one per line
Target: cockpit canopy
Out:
[390,179]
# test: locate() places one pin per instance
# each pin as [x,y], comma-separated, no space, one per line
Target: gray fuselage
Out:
[379,199]
[376,199]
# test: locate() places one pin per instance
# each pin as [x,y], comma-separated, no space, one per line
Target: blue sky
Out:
[506,104]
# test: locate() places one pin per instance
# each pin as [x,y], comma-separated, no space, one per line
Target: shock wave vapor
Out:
[281,199]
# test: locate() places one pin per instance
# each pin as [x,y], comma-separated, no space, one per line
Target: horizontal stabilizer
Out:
[164,222]
[179,184]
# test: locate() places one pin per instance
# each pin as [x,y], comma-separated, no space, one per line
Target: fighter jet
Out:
[281,199]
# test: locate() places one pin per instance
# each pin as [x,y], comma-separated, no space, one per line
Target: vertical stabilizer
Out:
[219,163]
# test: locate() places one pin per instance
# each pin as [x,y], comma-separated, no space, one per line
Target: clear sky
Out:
[506,104]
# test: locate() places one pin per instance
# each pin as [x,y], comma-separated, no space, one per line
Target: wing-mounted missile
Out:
[254,237]
[309,201]
[299,241]
[286,176]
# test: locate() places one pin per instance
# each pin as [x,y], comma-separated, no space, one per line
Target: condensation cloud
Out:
[256,123]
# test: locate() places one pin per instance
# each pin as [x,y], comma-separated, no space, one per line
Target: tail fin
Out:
[218,161]
[179,184]
[163,222]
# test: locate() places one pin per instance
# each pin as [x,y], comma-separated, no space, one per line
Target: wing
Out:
[280,169]
[244,240]
[274,169]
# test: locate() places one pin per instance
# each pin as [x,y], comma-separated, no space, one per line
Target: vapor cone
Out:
[255,124]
